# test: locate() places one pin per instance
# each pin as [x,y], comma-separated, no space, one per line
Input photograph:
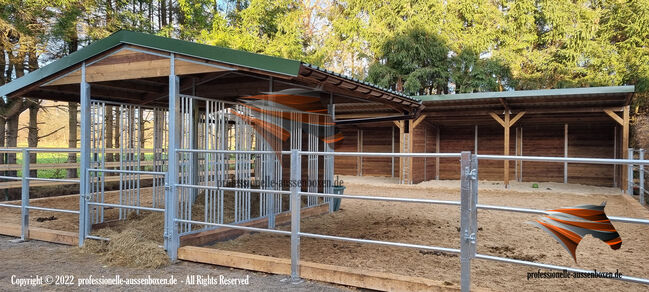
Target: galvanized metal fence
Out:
[468,209]
[638,169]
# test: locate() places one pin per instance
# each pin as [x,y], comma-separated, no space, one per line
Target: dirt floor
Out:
[37,258]
[501,234]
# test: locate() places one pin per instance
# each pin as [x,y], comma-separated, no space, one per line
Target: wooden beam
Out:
[615,117]
[220,234]
[625,144]
[402,135]
[43,234]
[418,121]
[346,276]
[497,118]
[565,153]
[516,118]
[437,142]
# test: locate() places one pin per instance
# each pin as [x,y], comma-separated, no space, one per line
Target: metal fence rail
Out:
[468,210]
[468,203]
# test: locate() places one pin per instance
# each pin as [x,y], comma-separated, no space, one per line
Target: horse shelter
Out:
[233,132]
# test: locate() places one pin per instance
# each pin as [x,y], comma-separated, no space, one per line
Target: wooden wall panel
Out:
[593,141]
[378,140]
[346,165]
[546,140]
[454,140]
[491,141]
[431,140]
[419,146]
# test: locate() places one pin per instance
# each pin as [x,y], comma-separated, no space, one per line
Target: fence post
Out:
[172,239]
[24,202]
[467,223]
[296,171]
[641,176]
[84,222]
[629,176]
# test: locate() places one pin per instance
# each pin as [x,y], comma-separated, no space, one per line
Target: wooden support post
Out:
[402,134]
[359,148]
[475,142]
[506,123]
[437,141]
[565,153]
[624,122]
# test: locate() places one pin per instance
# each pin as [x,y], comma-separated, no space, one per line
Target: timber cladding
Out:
[595,140]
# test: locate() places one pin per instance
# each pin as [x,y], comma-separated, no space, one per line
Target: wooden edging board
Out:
[220,234]
[313,271]
[37,233]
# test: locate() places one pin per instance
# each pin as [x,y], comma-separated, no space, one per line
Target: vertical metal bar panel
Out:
[295,214]
[84,226]
[172,240]
[641,177]
[629,185]
[615,166]
[24,202]
[465,222]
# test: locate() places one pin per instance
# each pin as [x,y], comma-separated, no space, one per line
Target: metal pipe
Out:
[378,242]
[234,189]
[467,237]
[97,237]
[172,240]
[53,179]
[24,195]
[127,171]
[9,205]
[554,267]
[562,159]
[641,178]
[84,226]
[10,177]
[381,154]
[246,228]
[126,207]
[232,151]
[53,210]
[296,172]
[629,177]
[457,203]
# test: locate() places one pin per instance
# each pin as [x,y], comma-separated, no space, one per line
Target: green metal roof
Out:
[530,93]
[219,54]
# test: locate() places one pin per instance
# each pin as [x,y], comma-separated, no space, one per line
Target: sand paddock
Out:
[501,233]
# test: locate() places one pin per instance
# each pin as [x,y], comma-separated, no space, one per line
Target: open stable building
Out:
[573,122]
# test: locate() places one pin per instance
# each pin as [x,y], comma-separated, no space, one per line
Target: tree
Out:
[470,73]
[414,62]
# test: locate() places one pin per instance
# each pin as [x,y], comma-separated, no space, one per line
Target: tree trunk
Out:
[72,134]
[32,135]
[12,141]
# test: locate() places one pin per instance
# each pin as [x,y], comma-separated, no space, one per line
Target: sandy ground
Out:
[501,233]
[33,258]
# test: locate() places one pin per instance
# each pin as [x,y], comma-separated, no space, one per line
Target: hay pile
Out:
[136,243]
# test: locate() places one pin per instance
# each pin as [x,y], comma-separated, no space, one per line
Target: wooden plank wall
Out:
[491,141]
[545,140]
[585,140]
[346,165]
[378,140]
[419,171]
[454,140]
[594,141]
